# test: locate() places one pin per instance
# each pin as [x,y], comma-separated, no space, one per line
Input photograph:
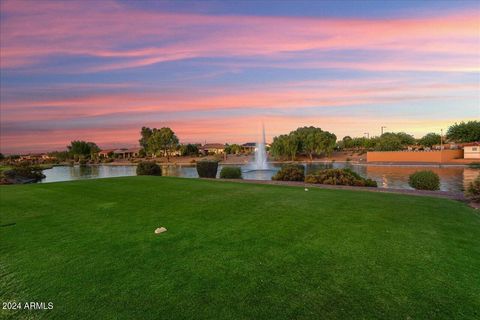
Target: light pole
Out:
[441,139]
[441,144]
[368,135]
[381,129]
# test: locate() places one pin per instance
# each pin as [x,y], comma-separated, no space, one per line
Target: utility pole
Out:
[441,144]
[441,139]
[368,135]
[381,129]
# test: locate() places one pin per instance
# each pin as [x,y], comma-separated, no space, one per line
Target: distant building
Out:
[216,148]
[105,153]
[471,150]
[127,153]
[249,147]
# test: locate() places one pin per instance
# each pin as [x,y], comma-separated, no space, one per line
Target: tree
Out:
[162,140]
[327,142]
[405,138]
[233,149]
[188,150]
[292,145]
[309,140]
[2,156]
[389,142]
[145,133]
[430,139]
[82,148]
[278,147]
[464,132]
[60,155]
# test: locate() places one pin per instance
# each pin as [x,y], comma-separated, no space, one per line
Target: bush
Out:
[290,172]
[82,162]
[25,171]
[231,173]
[207,168]
[424,180]
[148,168]
[473,191]
[344,177]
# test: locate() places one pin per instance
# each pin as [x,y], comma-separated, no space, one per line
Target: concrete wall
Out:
[414,156]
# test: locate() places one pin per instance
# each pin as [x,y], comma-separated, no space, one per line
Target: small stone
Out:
[306,189]
[160,230]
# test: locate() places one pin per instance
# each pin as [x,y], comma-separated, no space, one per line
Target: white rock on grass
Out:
[160,230]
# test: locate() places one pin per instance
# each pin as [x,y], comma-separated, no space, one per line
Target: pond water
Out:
[452,178]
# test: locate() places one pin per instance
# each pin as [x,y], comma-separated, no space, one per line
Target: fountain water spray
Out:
[260,153]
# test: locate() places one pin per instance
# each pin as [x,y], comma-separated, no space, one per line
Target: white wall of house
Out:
[471,152]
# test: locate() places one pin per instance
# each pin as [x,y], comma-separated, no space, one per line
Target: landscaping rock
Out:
[160,230]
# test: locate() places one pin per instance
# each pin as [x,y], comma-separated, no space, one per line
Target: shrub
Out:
[344,177]
[148,168]
[424,180]
[207,168]
[82,162]
[25,170]
[473,191]
[290,172]
[231,173]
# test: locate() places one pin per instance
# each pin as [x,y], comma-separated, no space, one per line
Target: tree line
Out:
[311,141]
[462,132]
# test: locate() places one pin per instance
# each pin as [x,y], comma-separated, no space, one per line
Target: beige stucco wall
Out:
[471,152]
[414,156]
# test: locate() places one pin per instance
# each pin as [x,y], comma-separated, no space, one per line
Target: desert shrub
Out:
[473,191]
[290,172]
[148,168]
[231,173]
[25,170]
[344,177]
[207,168]
[424,180]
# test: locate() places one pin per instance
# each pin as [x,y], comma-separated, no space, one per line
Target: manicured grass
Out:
[235,251]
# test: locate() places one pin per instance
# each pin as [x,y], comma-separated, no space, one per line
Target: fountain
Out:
[260,160]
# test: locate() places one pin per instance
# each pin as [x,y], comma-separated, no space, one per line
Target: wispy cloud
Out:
[102,74]
[33,33]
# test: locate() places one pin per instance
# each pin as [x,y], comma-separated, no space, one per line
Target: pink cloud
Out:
[33,32]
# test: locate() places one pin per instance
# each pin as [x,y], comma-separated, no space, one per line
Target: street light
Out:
[441,144]
[441,139]
[382,129]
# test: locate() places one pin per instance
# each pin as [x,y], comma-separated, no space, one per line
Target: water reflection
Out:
[452,178]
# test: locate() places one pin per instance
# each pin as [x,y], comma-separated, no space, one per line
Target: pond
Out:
[453,178]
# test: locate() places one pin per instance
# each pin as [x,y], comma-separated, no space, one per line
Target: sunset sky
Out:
[213,71]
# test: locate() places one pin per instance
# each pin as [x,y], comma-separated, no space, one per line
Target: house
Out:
[471,150]
[216,148]
[127,153]
[105,153]
[249,147]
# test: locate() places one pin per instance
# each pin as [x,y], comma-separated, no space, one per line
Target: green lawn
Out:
[235,251]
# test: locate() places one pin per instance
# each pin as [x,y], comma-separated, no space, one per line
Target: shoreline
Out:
[356,163]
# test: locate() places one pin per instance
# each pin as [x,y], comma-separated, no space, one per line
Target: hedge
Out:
[231,173]
[207,168]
